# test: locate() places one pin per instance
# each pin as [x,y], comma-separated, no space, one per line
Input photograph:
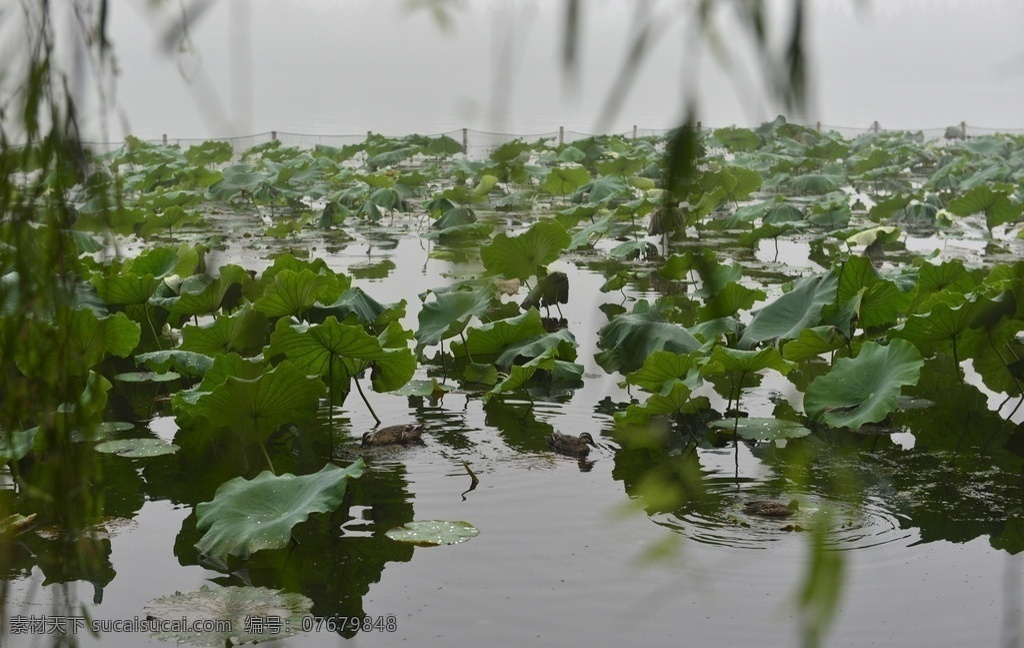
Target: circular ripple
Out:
[724,523]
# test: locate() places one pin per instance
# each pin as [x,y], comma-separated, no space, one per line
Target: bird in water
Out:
[771,508]
[570,445]
[394,434]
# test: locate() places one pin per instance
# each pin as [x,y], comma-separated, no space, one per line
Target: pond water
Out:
[569,552]
[911,523]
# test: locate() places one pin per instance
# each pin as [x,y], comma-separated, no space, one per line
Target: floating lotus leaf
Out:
[147,376]
[492,338]
[246,516]
[982,199]
[762,429]
[431,533]
[864,389]
[745,362]
[187,363]
[137,448]
[232,607]
[202,294]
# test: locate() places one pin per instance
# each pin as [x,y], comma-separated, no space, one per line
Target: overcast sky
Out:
[349,66]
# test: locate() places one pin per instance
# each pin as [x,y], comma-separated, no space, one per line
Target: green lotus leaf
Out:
[879,301]
[425,388]
[187,363]
[728,300]
[244,331]
[523,256]
[125,288]
[432,533]
[294,292]
[239,179]
[16,444]
[564,180]
[246,516]
[816,183]
[492,338]
[662,369]
[147,376]
[794,311]
[737,139]
[673,399]
[607,189]
[629,339]
[455,217]
[255,408]
[812,342]
[875,236]
[450,311]
[444,145]
[745,362]
[340,351]
[365,309]
[202,294]
[89,339]
[561,345]
[982,199]
[137,448]
[762,429]
[945,321]
[864,389]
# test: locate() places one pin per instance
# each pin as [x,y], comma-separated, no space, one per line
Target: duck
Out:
[394,434]
[771,508]
[570,445]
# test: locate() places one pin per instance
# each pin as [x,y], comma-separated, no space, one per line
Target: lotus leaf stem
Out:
[363,396]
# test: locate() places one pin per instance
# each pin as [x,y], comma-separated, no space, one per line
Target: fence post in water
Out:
[817,126]
[465,140]
[561,135]
[634,131]
[273,136]
[963,130]
[874,127]
[165,139]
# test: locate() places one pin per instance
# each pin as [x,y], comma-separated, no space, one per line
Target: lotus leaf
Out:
[864,389]
[791,313]
[449,313]
[137,448]
[244,331]
[431,533]
[294,292]
[525,255]
[763,429]
[256,407]
[246,516]
[629,339]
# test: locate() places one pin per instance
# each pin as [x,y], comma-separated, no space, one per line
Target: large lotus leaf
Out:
[629,339]
[332,349]
[728,300]
[815,183]
[949,276]
[255,408]
[16,444]
[293,292]
[561,345]
[243,331]
[444,145]
[946,322]
[880,300]
[745,362]
[367,310]
[431,533]
[607,189]
[450,311]
[662,369]
[523,256]
[864,389]
[238,179]
[137,448]
[202,294]
[674,399]
[124,288]
[737,139]
[982,199]
[587,236]
[492,338]
[89,340]
[794,311]
[812,342]
[246,516]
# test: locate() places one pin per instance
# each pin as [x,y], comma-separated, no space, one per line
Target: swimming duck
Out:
[404,434]
[770,508]
[570,445]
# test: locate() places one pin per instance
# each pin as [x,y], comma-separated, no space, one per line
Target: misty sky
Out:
[349,66]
